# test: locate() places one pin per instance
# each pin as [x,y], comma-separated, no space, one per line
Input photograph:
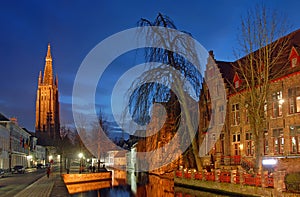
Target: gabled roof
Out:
[228,69]
[3,118]
[30,132]
[295,50]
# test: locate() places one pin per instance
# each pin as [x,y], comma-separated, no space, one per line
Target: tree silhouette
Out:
[152,91]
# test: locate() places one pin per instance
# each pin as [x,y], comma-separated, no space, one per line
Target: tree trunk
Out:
[189,123]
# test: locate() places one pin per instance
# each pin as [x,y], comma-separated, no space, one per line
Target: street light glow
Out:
[80,155]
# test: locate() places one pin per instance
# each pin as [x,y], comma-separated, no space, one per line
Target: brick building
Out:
[281,138]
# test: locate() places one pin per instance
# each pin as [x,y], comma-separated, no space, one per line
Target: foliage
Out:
[292,181]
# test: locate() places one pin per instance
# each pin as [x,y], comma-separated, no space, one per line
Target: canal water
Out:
[126,184]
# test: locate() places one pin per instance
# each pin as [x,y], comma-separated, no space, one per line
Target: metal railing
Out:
[226,177]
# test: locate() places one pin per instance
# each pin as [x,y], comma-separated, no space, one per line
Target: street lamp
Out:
[29,160]
[50,158]
[80,155]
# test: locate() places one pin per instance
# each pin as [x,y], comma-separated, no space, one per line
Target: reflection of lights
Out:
[58,157]
[50,157]
[269,161]
[87,160]
[29,157]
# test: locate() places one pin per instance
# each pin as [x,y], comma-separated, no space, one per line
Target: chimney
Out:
[14,120]
[211,54]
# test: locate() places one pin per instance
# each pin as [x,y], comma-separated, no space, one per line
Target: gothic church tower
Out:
[47,124]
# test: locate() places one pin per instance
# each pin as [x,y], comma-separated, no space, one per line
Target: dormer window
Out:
[294,62]
[236,81]
[237,84]
[294,57]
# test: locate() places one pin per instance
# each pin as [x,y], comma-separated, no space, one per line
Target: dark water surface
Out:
[125,184]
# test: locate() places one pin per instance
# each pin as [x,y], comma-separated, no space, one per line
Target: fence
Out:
[227,177]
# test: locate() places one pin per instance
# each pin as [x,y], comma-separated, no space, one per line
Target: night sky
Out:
[73,28]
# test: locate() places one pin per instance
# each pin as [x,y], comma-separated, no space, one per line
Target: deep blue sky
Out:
[74,27]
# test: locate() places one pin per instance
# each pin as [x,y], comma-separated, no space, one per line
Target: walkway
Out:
[46,187]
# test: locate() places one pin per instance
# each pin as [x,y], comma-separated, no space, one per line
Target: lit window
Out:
[294,62]
[266,143]
[294,139]
[278,141]
[237,84]
[277,104]
[294,100]
[249,144]
[247,117]
[265,109]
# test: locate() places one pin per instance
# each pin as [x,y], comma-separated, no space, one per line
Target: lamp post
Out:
[80,155]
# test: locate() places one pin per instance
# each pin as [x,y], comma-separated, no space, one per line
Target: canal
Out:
[125,184]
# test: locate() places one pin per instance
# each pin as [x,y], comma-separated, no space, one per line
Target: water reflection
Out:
[131,184]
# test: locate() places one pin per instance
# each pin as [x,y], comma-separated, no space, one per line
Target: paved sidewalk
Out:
[46,187]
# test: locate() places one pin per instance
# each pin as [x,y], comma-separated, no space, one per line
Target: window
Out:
[265,109]
[222,138]
[249,144]
[247,118]
[277,104]
[294,62]
[295,139]
[294,100]
[266,144]
[236,137]
[235,114]
[236,81]
[237,149]
[237,84]
[221,114]
[278,141]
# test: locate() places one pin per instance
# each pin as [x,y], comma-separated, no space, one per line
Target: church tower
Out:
[47,124]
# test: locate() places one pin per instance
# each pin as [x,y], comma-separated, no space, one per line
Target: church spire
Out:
[48,74]
[48,56]
[40,81]
[47,124]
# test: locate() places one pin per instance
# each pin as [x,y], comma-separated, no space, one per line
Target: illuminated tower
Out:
[47,124]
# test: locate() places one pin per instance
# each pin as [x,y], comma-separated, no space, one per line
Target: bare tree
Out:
[259,40]
[149,93]
[64,145]
[99,143]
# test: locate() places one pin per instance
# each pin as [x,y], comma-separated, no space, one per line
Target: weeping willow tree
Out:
[163,85]
[259,41]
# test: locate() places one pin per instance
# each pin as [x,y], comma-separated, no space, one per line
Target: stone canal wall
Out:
[229,188]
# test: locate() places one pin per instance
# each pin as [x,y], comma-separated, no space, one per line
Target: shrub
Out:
[292,181]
